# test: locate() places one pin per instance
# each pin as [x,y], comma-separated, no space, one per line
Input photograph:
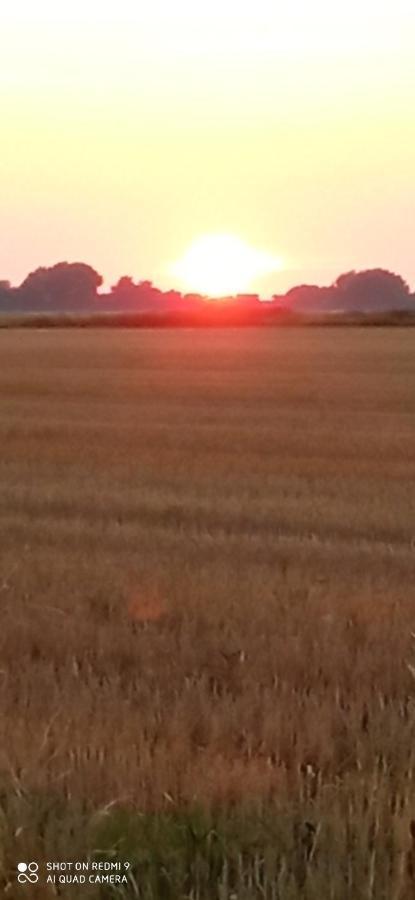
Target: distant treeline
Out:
[73,289]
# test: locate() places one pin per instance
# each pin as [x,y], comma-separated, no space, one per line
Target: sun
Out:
[220,265]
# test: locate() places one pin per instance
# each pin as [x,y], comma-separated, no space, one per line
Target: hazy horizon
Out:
[131,134]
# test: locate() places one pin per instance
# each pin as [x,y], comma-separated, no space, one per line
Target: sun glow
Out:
[152,124]
[222,264]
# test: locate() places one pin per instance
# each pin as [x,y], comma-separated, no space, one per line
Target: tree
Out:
[63,287]
[309,298]
[125,284]
[6,296]
[143,296]
[372,290]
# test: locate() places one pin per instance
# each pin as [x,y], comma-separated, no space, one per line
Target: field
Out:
[207,597]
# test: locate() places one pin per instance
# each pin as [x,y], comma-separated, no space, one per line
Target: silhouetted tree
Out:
[6,296]
[63,287]
[309,298]
[142,297]
[126,283]
[372,290]
[72,287]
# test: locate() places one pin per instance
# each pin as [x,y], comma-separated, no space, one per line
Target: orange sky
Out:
[131,129]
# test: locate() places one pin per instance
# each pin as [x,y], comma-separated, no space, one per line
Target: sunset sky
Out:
[130,130]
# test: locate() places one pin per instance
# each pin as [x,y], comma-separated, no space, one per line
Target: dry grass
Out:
[207,598]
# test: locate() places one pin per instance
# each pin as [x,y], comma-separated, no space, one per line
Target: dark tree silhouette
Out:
[124,285]
[72,287]
[372,290]
[141,296]
[309,298]
[65,286]
[6,296]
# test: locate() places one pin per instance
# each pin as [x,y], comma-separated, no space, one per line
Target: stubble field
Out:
[207,597]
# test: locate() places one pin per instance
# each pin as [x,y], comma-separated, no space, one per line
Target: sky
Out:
[133,134]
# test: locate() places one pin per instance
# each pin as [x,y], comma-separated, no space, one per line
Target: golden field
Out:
[207,597]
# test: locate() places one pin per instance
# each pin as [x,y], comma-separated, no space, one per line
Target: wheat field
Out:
[207,598]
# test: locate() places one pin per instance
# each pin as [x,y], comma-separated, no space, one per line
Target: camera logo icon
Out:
[28,872]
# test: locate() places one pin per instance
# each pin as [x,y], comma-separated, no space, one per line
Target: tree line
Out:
[75,288]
